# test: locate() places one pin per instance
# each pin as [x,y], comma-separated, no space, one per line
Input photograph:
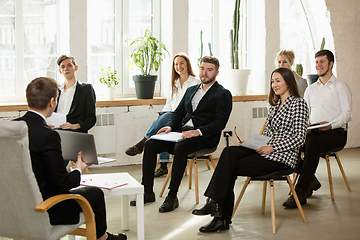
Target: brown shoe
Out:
[314,186]
[160,171]
[132,151]
[290,202]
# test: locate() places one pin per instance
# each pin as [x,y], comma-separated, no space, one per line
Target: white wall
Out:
[345,24]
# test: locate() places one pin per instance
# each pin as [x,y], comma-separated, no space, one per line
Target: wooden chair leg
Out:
[295,177]
[212,161]
[241,195]
[190,171]
[207,164]
[296,198]
[272,201]
[342,171]
[166,181]
[263,197]
[330,177]
[196,181]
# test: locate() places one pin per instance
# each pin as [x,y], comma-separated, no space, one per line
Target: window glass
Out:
[108,21]
[200,20]
[303,24]
[294,32]
[101,38]
[7,48]
[140,19]
[39,39]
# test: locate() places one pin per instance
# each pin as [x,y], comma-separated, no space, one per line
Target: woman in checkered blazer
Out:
[286,126]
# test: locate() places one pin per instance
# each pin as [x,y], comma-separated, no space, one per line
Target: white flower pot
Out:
[110,93]
[235,80]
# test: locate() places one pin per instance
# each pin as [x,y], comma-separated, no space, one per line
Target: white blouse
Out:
[66,98]
[172,103]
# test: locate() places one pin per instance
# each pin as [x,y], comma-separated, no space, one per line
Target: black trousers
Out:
[237,161]
[315,144]
[180,150]
[95,196]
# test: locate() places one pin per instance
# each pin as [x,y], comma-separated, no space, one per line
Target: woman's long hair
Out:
[290,81]
[175,75]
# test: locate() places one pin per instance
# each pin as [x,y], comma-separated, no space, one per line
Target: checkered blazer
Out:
[287,129]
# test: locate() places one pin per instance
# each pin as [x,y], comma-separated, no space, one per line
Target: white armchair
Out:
[23,212]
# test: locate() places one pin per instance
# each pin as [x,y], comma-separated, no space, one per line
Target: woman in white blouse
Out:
[285,59]
[182,77]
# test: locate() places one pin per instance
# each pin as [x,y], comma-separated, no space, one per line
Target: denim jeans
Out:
[155,127]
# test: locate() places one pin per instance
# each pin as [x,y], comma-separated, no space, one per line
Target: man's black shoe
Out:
[119,236]
[290,202]
[170,204]
[211,207]
[147,198]
[133,151]
[215,225]
[160,171]
[314,186]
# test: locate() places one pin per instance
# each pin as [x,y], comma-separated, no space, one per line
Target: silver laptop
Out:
[74,142]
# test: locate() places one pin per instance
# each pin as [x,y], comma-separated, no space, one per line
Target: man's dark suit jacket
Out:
[82,109]
[49,169]
[210,116]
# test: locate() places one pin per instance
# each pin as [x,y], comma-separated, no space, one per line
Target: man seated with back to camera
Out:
[329,101]
[48,163]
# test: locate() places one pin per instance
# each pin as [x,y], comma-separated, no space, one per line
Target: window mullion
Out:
[19,50]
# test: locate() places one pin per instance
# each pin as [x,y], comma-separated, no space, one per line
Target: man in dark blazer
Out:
[48,163]
[201,116]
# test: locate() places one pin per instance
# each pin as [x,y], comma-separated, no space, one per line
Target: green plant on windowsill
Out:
[108,77]
[147,54]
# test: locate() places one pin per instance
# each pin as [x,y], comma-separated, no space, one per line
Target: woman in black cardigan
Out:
[286,126]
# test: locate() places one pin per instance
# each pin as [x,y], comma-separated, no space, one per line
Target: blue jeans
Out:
[155,127]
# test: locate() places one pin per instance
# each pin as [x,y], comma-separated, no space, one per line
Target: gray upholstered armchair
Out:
[23,212]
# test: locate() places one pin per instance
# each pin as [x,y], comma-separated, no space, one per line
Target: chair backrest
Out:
[19,190]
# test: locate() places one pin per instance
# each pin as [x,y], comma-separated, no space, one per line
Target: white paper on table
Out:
[56,119]
[102,183]
[320,125]
[256,141]
[171,136]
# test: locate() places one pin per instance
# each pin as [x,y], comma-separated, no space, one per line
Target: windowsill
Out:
[119,102]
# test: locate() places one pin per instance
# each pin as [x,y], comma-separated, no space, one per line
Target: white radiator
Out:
[258,117]
[104,133]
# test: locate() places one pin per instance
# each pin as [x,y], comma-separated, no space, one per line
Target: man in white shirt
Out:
[329,101]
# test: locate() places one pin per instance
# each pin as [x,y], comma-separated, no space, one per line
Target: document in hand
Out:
[318,125]
[171,136]
[256,141]
[102,184]
[56,119]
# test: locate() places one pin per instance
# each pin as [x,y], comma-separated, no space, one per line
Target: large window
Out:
[27,45]
[110,23]
[303,24]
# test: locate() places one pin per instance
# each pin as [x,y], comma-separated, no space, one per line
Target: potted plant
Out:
[148,56]
[108,77]
[314,77]
[237,77]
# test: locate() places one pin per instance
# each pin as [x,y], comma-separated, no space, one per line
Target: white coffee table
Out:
[132,187]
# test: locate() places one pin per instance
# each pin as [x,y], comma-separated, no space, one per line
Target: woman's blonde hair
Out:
[289,55]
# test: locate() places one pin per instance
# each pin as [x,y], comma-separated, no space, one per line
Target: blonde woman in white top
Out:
[285,59]
[182,77]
